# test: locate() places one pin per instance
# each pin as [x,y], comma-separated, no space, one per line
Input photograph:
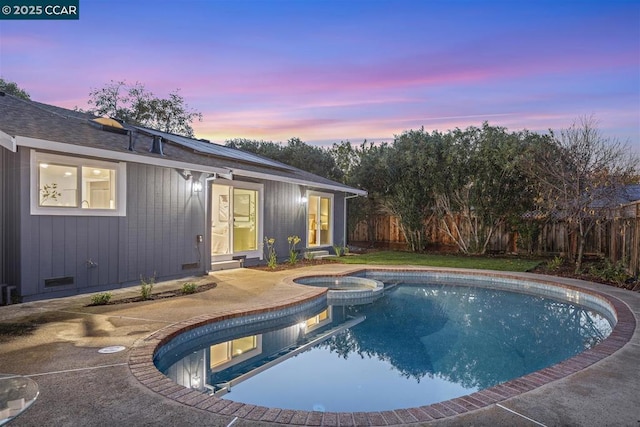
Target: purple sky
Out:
[326,71]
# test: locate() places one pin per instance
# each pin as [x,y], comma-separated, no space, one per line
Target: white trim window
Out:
[229,353]
[74,186]
[319,219]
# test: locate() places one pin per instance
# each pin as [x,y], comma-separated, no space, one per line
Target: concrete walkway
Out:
[81,387]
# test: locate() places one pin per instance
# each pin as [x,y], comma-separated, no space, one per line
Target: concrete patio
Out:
[79,386]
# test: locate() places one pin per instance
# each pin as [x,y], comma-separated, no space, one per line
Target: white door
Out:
[235,221]
[220,222]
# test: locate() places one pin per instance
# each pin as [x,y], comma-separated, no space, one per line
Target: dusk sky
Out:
[327,71]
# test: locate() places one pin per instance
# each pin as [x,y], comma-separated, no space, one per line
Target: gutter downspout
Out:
[353,196]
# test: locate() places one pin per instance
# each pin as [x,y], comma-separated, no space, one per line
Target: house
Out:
[88,204]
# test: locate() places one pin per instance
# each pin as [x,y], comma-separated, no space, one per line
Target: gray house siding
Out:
[163,219]
[339,221]
[156,238]
[284,215]
[9,217]
[3,224]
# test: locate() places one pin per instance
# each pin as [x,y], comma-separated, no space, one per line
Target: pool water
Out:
[419,344]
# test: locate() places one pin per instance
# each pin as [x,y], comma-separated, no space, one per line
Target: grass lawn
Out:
[442,260]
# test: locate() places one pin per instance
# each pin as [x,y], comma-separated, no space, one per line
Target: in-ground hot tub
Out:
[345,288]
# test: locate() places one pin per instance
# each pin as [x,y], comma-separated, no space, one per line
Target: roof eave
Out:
[259,175]
[81,150]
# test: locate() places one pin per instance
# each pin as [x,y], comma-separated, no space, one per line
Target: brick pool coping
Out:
[143,369]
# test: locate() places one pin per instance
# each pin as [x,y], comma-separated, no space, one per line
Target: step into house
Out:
[226,264]
[319,254]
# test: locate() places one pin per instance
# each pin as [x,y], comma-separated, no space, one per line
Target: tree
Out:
[480,184]
[136,105]
[363,167]
[295,153]
[12,88]
[580,174]
[410,164]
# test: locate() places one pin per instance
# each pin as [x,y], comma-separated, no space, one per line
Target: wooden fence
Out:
[617,238]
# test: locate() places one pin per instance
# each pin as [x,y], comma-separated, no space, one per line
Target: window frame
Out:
[321,195]
[231,359]
[120,168]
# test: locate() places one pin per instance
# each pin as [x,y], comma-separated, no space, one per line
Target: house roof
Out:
[42,126]
[632,192]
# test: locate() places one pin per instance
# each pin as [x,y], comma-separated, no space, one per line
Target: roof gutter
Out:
[259,175]
[9,142]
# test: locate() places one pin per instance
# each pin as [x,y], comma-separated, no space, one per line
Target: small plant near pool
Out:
[293,254]
[189,288]
[102,298]
[609,271]
[340,250]
[272,256]
[146,286]
[555,263]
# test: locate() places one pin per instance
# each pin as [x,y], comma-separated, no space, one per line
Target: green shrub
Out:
[146,286]
[609,271]
[293,253]
[189,288]
[272,257]
[101,298]
[555,263]
[338,250]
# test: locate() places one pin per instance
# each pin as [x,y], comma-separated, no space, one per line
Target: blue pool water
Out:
[418,344]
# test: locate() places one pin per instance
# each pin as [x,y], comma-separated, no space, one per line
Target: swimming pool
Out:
[444,341]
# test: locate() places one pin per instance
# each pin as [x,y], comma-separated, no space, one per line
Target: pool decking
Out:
[80,386]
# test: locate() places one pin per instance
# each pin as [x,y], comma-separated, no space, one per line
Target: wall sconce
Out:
[303,200]
[185,174]
[196,186]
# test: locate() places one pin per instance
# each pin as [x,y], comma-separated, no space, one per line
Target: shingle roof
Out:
[32,119]
[632,192]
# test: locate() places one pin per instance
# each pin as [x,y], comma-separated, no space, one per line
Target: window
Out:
[64,185]
[232,352]
[318,320]
[320,219]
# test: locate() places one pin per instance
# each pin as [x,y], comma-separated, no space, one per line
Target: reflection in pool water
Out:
[419,344]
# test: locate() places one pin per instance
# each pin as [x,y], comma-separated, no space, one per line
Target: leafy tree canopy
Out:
[136,105]
[12,88]
[295,153]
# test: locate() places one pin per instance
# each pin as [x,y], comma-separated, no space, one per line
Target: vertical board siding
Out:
[157,236]
[3,215]
[13,193]
[284,215]
[164,217]
[9,216]
[339,219]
